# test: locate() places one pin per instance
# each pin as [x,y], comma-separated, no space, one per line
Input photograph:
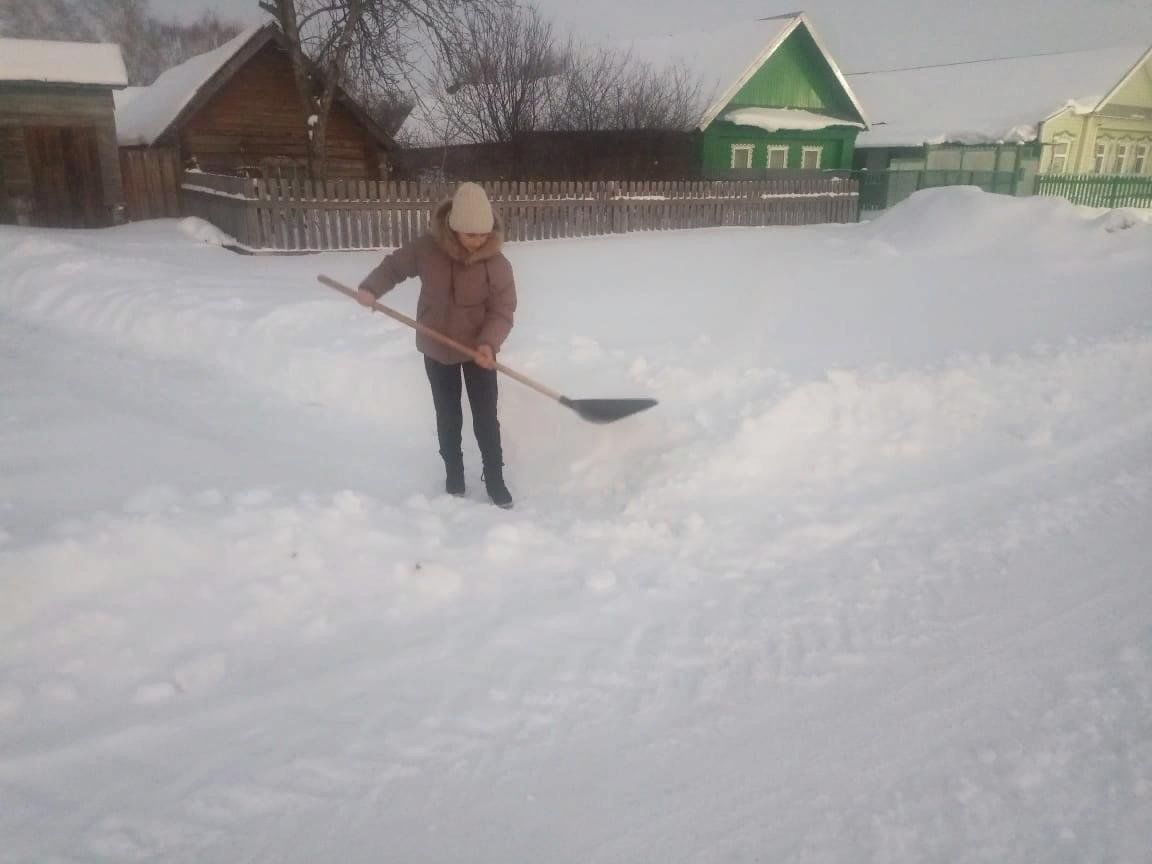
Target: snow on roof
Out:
[775,119]
[143,114]
[986,101]
[89,63]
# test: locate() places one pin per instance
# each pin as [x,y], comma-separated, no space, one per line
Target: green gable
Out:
[797,75]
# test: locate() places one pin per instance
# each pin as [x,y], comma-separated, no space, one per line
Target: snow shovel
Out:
[592,410]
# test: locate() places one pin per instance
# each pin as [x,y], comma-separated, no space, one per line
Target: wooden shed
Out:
[58,159]
[235,111]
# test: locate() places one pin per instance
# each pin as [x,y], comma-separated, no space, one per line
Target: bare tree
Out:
[496,83]
[149,44]
[333,42]
[608,88]
[46,19]
[510,74]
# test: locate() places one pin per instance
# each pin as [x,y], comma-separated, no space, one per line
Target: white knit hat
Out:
[471,212]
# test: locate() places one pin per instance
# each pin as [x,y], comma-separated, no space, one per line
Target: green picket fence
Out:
[1097,190]
[880,190]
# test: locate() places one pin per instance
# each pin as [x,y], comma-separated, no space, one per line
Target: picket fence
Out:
[1098,190]
[289,216]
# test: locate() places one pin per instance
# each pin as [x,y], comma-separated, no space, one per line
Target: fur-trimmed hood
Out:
[469,298]
[445,237]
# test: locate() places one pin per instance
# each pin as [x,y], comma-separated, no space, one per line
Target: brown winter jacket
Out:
[470,297]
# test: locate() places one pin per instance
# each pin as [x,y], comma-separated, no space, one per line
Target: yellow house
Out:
[1110,136]
[1032,124]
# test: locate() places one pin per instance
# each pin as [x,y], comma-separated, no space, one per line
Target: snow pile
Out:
[205,232]
[876,565]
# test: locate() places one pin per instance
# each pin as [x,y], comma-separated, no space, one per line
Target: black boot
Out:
[493,477]
[454,475]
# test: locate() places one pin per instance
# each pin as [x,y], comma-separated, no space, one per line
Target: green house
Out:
[773,97]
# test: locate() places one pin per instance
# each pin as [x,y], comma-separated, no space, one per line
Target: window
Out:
[1098,161]
[1119,158]
[1059,157]
[1140,160]
[810,158]
[777,157]
[742,155]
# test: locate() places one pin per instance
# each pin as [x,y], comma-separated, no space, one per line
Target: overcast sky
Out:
[860,33]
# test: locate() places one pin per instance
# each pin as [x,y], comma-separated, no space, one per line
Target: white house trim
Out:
[1123,81]
[750,149]
[763,56]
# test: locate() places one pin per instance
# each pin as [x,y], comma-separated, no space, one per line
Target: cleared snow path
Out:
[893,609]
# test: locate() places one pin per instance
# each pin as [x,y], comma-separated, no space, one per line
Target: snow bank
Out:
[205,232]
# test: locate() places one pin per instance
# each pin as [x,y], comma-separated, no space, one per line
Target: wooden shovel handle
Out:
[444,340]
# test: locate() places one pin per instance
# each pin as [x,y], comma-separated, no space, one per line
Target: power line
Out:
[968,62]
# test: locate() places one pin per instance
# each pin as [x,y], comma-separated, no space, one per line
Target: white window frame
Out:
[1120,156]
[1100,157]
[818,150]
[1140,159]
[750,149]
[776,148]
[1058,164]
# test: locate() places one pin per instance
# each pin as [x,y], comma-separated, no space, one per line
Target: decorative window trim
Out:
[750,149]
[1121,151]
[776,148]
[1058,162]
[812,148]
[1100,156]
[1140,158]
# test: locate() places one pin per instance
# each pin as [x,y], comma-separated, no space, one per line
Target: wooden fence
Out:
[1098,190]
[151,183]
[359,214]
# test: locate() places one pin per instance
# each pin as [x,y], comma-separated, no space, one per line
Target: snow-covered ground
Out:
[872,584]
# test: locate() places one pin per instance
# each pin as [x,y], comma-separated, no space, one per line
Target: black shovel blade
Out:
[607,410]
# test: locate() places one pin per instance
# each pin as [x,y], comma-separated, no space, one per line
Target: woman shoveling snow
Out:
[468,293]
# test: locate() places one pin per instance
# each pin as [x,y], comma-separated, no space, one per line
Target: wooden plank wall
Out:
[151,182]
[363,214]
[42,105]
[255,118]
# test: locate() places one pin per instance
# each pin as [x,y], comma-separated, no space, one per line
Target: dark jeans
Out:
[482,391]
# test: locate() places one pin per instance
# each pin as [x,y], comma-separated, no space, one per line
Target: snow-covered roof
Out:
[143,114]
[987,101]
[87,63]
[724,59]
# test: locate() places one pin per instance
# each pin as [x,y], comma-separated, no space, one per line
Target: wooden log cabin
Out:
[235,111]
[58,156]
